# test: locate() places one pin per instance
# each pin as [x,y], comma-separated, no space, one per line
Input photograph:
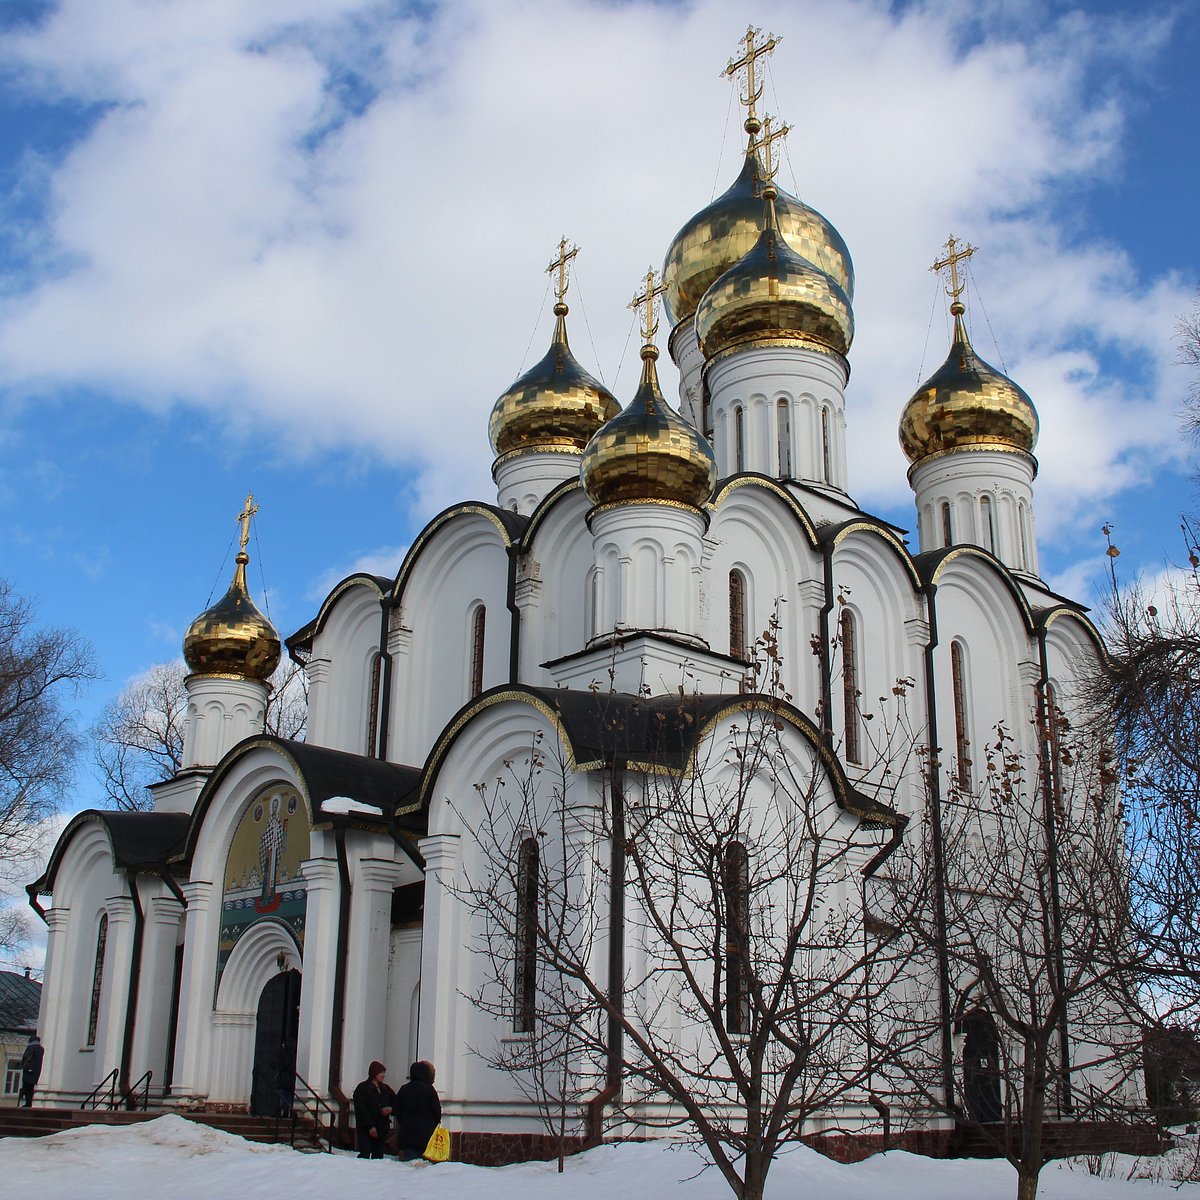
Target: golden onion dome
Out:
[233,638]
[721,234]
[556,405]
[648,452]
[967,404]
[771,294]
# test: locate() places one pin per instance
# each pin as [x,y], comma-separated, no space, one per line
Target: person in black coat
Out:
[418,1111]
[373,1101]
[31,1070]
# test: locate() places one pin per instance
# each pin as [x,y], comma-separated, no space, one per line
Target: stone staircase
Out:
[38,1122]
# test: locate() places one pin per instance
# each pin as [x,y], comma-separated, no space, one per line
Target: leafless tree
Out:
[1043,961]
[41,670]
[697,939]
[544,890]
[138,739]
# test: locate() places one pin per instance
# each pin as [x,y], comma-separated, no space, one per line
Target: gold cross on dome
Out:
[765,142]
[747,63]
[647,301]
[956,252]
[559,265]
[243,517]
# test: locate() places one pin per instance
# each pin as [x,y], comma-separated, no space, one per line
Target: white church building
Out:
[314,900]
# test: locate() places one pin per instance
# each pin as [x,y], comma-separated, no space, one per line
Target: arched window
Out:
[826,451]
[373,706]
[737,616]
[987,523]
[962,737]
[850,688]
[735,883]
[525,951]
[1053,726]
[739,439]
[1023,533]
[783,433]
[97,979]
[478,625]
[947,525]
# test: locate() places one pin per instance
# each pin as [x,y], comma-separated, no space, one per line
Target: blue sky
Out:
[299,249]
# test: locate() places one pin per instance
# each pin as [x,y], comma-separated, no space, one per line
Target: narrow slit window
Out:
[478,627]
[962,739]
[783,430]
[97,979]
[987,524]
[525,950]
[373,706]
[850,688]
[737,616]
[739,439]
[736,886]
[826,450]
[947,525]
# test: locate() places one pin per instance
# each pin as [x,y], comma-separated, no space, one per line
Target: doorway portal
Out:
[276,1031]
[981,1066]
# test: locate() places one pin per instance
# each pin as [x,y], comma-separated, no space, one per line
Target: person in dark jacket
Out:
[31,1070]
[373,1101]
[418,1111]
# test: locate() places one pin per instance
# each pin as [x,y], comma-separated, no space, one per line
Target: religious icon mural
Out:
[262,873]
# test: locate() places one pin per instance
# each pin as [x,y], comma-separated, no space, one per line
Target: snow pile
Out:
[187,1161]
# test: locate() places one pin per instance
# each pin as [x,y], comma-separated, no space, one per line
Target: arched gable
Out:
[656,734]
[759,530]
[875,581]
[343,649]
[557,558]
[1074,652]
[975,604]
[459,564]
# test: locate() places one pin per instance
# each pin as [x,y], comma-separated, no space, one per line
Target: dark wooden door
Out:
[275,1043]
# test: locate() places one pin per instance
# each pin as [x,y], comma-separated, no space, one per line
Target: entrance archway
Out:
[276,1030]
[981,1066]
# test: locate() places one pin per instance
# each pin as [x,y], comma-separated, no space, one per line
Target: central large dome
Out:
[721,234]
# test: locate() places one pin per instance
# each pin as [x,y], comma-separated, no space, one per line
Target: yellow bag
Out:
[438,1149]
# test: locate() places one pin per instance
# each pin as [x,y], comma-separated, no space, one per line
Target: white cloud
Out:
[237,231]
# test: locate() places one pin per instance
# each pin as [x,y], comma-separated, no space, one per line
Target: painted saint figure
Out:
[270,851]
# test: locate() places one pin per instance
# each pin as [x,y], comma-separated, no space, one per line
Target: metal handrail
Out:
[131,1096]
[110,1082]
[313,1108]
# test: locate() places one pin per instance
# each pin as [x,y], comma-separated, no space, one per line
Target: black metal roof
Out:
[20,999]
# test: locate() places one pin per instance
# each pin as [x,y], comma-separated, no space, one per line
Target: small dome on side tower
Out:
[966,403]
[232,638]
[649,452]
[555,405]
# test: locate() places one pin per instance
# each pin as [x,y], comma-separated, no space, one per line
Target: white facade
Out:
[424,688]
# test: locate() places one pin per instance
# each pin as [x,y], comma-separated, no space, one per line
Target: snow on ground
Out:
[171,1156]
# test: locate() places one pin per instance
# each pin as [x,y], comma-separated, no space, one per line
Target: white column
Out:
[755,379]
[441,950]
[657,548]
[319,970]
[367,960]
[524,479]
[194,1030]
[164,915]
[961,478]
[686,353]
[60,990]
[114,995]
[221,712]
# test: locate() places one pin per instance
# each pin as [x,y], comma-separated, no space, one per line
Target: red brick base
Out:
[500,1149]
